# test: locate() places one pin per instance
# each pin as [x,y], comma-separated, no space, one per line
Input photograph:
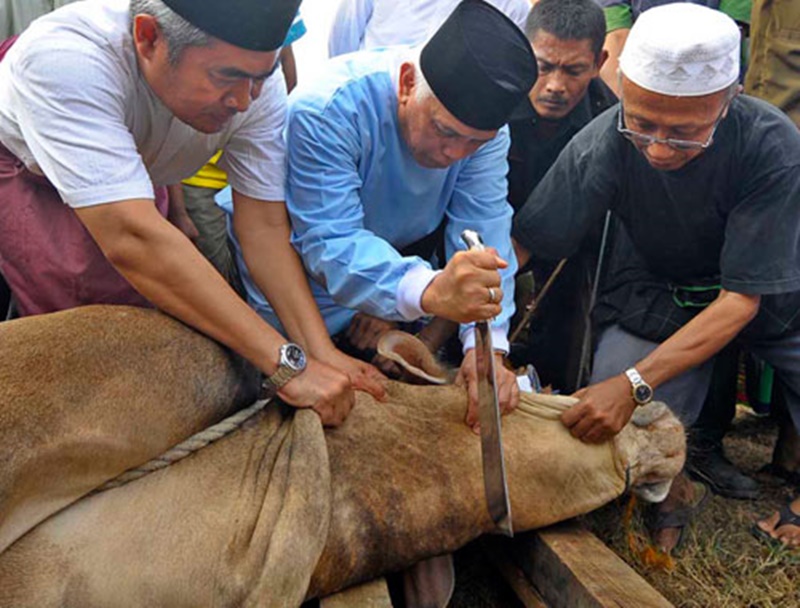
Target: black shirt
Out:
[531,155]
[733,212]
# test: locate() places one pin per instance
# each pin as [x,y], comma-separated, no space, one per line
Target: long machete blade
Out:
[495,484]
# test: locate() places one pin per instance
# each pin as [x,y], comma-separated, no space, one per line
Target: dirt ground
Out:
[721,565]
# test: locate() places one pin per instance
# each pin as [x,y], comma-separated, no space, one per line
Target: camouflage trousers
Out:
[774,71]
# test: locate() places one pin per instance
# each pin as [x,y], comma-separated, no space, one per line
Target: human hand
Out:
[602,410]
[363,376]
[436,333]
[461,292]
[324,389]
[365,331]
[507,389]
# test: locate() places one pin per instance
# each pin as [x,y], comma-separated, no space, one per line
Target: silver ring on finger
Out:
[492,296]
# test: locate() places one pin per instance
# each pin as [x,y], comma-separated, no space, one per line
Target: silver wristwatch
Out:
[292,362]
[641,391]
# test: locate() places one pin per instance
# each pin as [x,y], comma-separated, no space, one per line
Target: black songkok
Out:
[255,25]
[480,66]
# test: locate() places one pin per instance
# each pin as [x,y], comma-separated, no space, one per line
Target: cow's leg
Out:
[429,583]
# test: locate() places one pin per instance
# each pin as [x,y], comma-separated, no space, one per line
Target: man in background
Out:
[370,24]
[567,38]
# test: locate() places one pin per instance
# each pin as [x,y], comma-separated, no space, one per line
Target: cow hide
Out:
[280,511]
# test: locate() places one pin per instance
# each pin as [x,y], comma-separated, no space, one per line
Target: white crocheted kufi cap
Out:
[682,49]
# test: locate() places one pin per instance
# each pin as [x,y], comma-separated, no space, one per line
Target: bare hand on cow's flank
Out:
[365,331]
[468,289]
[507,388]
[602,410]
[363,376]
[324,389]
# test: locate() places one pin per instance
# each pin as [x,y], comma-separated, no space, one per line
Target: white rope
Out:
[185,448]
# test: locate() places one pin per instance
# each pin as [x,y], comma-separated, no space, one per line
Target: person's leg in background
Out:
[774,71]
[784,356]
[211,225]
[706,459]
[774,76]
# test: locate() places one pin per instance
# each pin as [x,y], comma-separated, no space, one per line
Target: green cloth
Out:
[738,10]
[618,17]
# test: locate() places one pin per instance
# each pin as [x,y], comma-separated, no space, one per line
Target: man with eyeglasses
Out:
[706,184]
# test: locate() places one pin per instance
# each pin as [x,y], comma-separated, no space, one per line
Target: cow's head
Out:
[653,448]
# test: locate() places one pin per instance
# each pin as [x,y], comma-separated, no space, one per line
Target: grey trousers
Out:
[617,350]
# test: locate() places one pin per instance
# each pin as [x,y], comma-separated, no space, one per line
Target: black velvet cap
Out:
[255,25]
[480,65]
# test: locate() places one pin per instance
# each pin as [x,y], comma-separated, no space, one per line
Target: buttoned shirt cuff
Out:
[499,338]
[410,290]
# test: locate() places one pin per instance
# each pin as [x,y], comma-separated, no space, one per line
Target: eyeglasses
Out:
[643,141]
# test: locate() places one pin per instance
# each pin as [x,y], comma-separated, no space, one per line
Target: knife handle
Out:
[472,239]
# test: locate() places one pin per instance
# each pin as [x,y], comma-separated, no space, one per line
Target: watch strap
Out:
[282,376]
[634,376]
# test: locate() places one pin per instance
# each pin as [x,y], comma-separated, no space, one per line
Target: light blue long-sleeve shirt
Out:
[356,196]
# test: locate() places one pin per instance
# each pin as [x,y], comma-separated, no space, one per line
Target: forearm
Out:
[169,271]
[263,232]
[437,332]
[701,338]
[522,254]
[289,67]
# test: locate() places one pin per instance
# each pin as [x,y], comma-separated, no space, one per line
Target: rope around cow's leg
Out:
[183,449]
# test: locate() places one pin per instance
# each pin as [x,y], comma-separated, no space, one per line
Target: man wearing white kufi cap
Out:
[706,184]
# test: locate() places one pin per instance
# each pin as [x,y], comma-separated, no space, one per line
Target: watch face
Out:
[643,393]
[295,357]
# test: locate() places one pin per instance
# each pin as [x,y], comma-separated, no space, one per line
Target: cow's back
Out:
[88,393]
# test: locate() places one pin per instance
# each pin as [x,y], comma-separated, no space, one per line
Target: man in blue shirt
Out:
[387,146]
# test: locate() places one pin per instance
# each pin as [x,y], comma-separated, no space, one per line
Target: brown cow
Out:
[279,511]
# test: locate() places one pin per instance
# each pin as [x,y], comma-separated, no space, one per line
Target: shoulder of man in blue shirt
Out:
[360,73]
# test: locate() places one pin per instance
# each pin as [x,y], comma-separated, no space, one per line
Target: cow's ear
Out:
[413,356]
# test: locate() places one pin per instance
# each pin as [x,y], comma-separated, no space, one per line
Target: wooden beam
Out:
[512,574]
[374,594]
[572,568]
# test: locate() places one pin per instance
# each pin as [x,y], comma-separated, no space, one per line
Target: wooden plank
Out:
[512,574]
[374,594]
[572,568]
